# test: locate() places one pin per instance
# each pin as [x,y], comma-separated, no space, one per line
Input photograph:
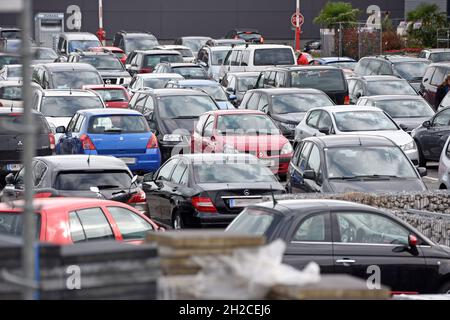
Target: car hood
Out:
[399,137]
[253,143]
[411,123]
[170,125]
[293,118]
[373,185]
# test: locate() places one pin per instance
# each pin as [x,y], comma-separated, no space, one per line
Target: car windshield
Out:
[299,102]
[405,108]
[349,121]
[67,106]
[239,172]
[215,91]
[411,70]
[246,83]
[13,93]
[156,83]
[84,180]
[112,95]
[7,121]
[191,72]
[141,43]
[381,87]
[186,106]
[440,56]
[118,123]
[218,57]
[253,221]
[75,80]
[271,57]
[103,62]
[153,59]
[343,65]
[4,59]
[11,223]
[250,36]
[194,44]
[322,79]
[368,161]
[83,45]
[45,54]
[246,124]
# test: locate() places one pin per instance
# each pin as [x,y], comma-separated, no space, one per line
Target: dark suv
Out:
[409,68]
[146,61]
[434,76]
[247,34]
[130,41]
[330,80]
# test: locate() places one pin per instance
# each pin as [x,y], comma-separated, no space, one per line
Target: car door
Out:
[309,239]
[432,139]
[89,224]
[314,164]
[70,142]
[310,127]
[208,137]
[370,244]
[297,167]
[431,89]
[426,84]
[131,227]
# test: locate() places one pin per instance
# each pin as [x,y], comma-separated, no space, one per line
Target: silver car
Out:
[444,167]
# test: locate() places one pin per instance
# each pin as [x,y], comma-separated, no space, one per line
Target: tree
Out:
[334,12]
[431,19]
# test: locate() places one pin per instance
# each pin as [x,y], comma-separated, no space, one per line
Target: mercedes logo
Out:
[246,192]
[108,81]
[261,154]
[20,143]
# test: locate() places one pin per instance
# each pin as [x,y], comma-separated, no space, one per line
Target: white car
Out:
[444,167]
[151,80]
[10,93]
[354,120]
[212,58]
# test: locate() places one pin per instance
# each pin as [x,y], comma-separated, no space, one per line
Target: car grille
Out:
[263,153]
[114,80]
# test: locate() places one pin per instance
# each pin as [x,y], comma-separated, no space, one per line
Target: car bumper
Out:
[168,149]
[150,161]
[212,220]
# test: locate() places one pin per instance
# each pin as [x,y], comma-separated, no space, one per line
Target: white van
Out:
[68,42]
[257,57]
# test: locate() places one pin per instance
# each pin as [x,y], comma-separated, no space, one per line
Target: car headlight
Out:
[409,146]
[287,126]
[287,149]
[173,138]
[229,149]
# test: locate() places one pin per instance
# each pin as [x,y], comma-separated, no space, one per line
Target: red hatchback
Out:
[243,131]
[71,220]
[114,95]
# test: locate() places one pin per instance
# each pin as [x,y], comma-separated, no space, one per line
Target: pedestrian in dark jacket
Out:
[441,91]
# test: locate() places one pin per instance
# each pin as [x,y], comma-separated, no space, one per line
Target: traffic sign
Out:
[294,18]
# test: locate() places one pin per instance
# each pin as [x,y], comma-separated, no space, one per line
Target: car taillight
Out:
[137,197]
[152,142]
[43,195]
[347,100]
[146,70]
[204,204]
[87,142]
[51,138]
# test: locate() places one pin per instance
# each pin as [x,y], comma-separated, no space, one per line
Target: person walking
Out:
[441,92]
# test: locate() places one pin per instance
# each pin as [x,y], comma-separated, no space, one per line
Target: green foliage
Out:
[334,12]
[432,20]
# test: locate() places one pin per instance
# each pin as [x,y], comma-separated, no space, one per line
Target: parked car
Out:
[409,112]
[224,42]
[247,34]
[65,221]
[286,106]
[355,120]
[327,79]
[74,176]
[409,68]
[238,83]
[338,62]
[131,41]
[146,61]
[65,75]
[113,95]
[257,58]
[186,52]
[312,45]
[445,103]
[43,55]
[431,136]
[9,58]
[119,53]
[207,190]
[444,167]
[120,133]
[11,93]
[68,42]
[193,42]
[377,85]
[211,87]
[346,237]
[172,115]
[243,131]
[436,55]
[212,58]
[186,70]
[340,163]
[434,77]
[151,80]
[12,142]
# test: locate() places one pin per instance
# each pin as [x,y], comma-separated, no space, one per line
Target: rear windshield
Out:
[11,223]
[9,60]
[75,79]
[376,88]
[187,53]
[191,72]
[111,124]
[44,54]
[113,95]
[8,121]
[270,57]
[440,56]
[141,43]
[325,79]
[413,70]
[68,106]
[154,59]
[185,107]
[253,221]
[239,172]
[13,93]
[291,103]
[84,180]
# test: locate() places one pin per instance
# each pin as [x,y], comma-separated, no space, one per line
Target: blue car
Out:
[121,133]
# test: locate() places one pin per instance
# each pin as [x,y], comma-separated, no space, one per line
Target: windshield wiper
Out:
[373,176]
[113,130]
[107,186]
[185,117]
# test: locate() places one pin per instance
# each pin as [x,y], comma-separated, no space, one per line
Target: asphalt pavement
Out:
[431,180]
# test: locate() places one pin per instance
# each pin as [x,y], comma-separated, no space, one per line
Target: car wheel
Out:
[445,289]
[177,221]
[422,160]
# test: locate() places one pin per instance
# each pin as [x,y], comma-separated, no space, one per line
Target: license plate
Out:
[268,163]
[241,203]
[128,160]
[13,167]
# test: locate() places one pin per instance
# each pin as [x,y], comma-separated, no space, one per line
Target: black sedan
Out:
[345,237]
[207,190]
[346,163]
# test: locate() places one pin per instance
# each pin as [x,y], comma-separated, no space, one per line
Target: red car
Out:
[114,95]
[247,131]
[71,220]
[117,51]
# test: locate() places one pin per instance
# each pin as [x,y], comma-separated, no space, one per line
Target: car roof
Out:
[172,47]
[195,37]
[393,97]
[16,110]
[279,91]
[437,50]
[109,111]
[181,65]
[10,83]
[351,140]
[177,92]
[346,108]
[245,30]
[79,35]
[219,48]
[245,74]
[261,46]
[64,66]
[235,111]
[198,82]
[68,92]
[302,68]
[94,53]
[80,162]
[397,58]
[159,75]
[104,86]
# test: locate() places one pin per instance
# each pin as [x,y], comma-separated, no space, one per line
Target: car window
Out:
[130,225]
[72,122]
[253,101]
[304,155]
[314,159]
[89,224]
[324,121]
[279,79]
[165,172]
[438,76]
[385,68]
[311,229]
[313,119]
[428,75]
[365,227]
[208,129]
[263,103]
[79,123]
[39,170]
[276,56]
[179,171]
[442,119]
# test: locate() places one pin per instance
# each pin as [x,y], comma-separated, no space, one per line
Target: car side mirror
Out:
[403,127]
[95,189]
[251,87]
[9,179]
[309,175]
[426,124]
[324,130]
[232,97]
[60,129]
[422,171]
[149,177]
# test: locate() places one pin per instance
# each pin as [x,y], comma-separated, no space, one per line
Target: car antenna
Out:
[273,197]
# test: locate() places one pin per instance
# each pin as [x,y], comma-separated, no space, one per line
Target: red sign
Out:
[295,17]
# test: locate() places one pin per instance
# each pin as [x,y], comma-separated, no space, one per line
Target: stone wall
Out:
[428,212]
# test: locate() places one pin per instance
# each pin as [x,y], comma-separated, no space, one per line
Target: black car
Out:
[408,112]
[286,106]
[431,136]
[207,190]
[108,65]
[347,163]
[145,61]
[327,79]
[248,34]
[378,85]
[187,70]
[312,45]
[172,115]
[130,41]
[12,142]
[238,83]
[351,238]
